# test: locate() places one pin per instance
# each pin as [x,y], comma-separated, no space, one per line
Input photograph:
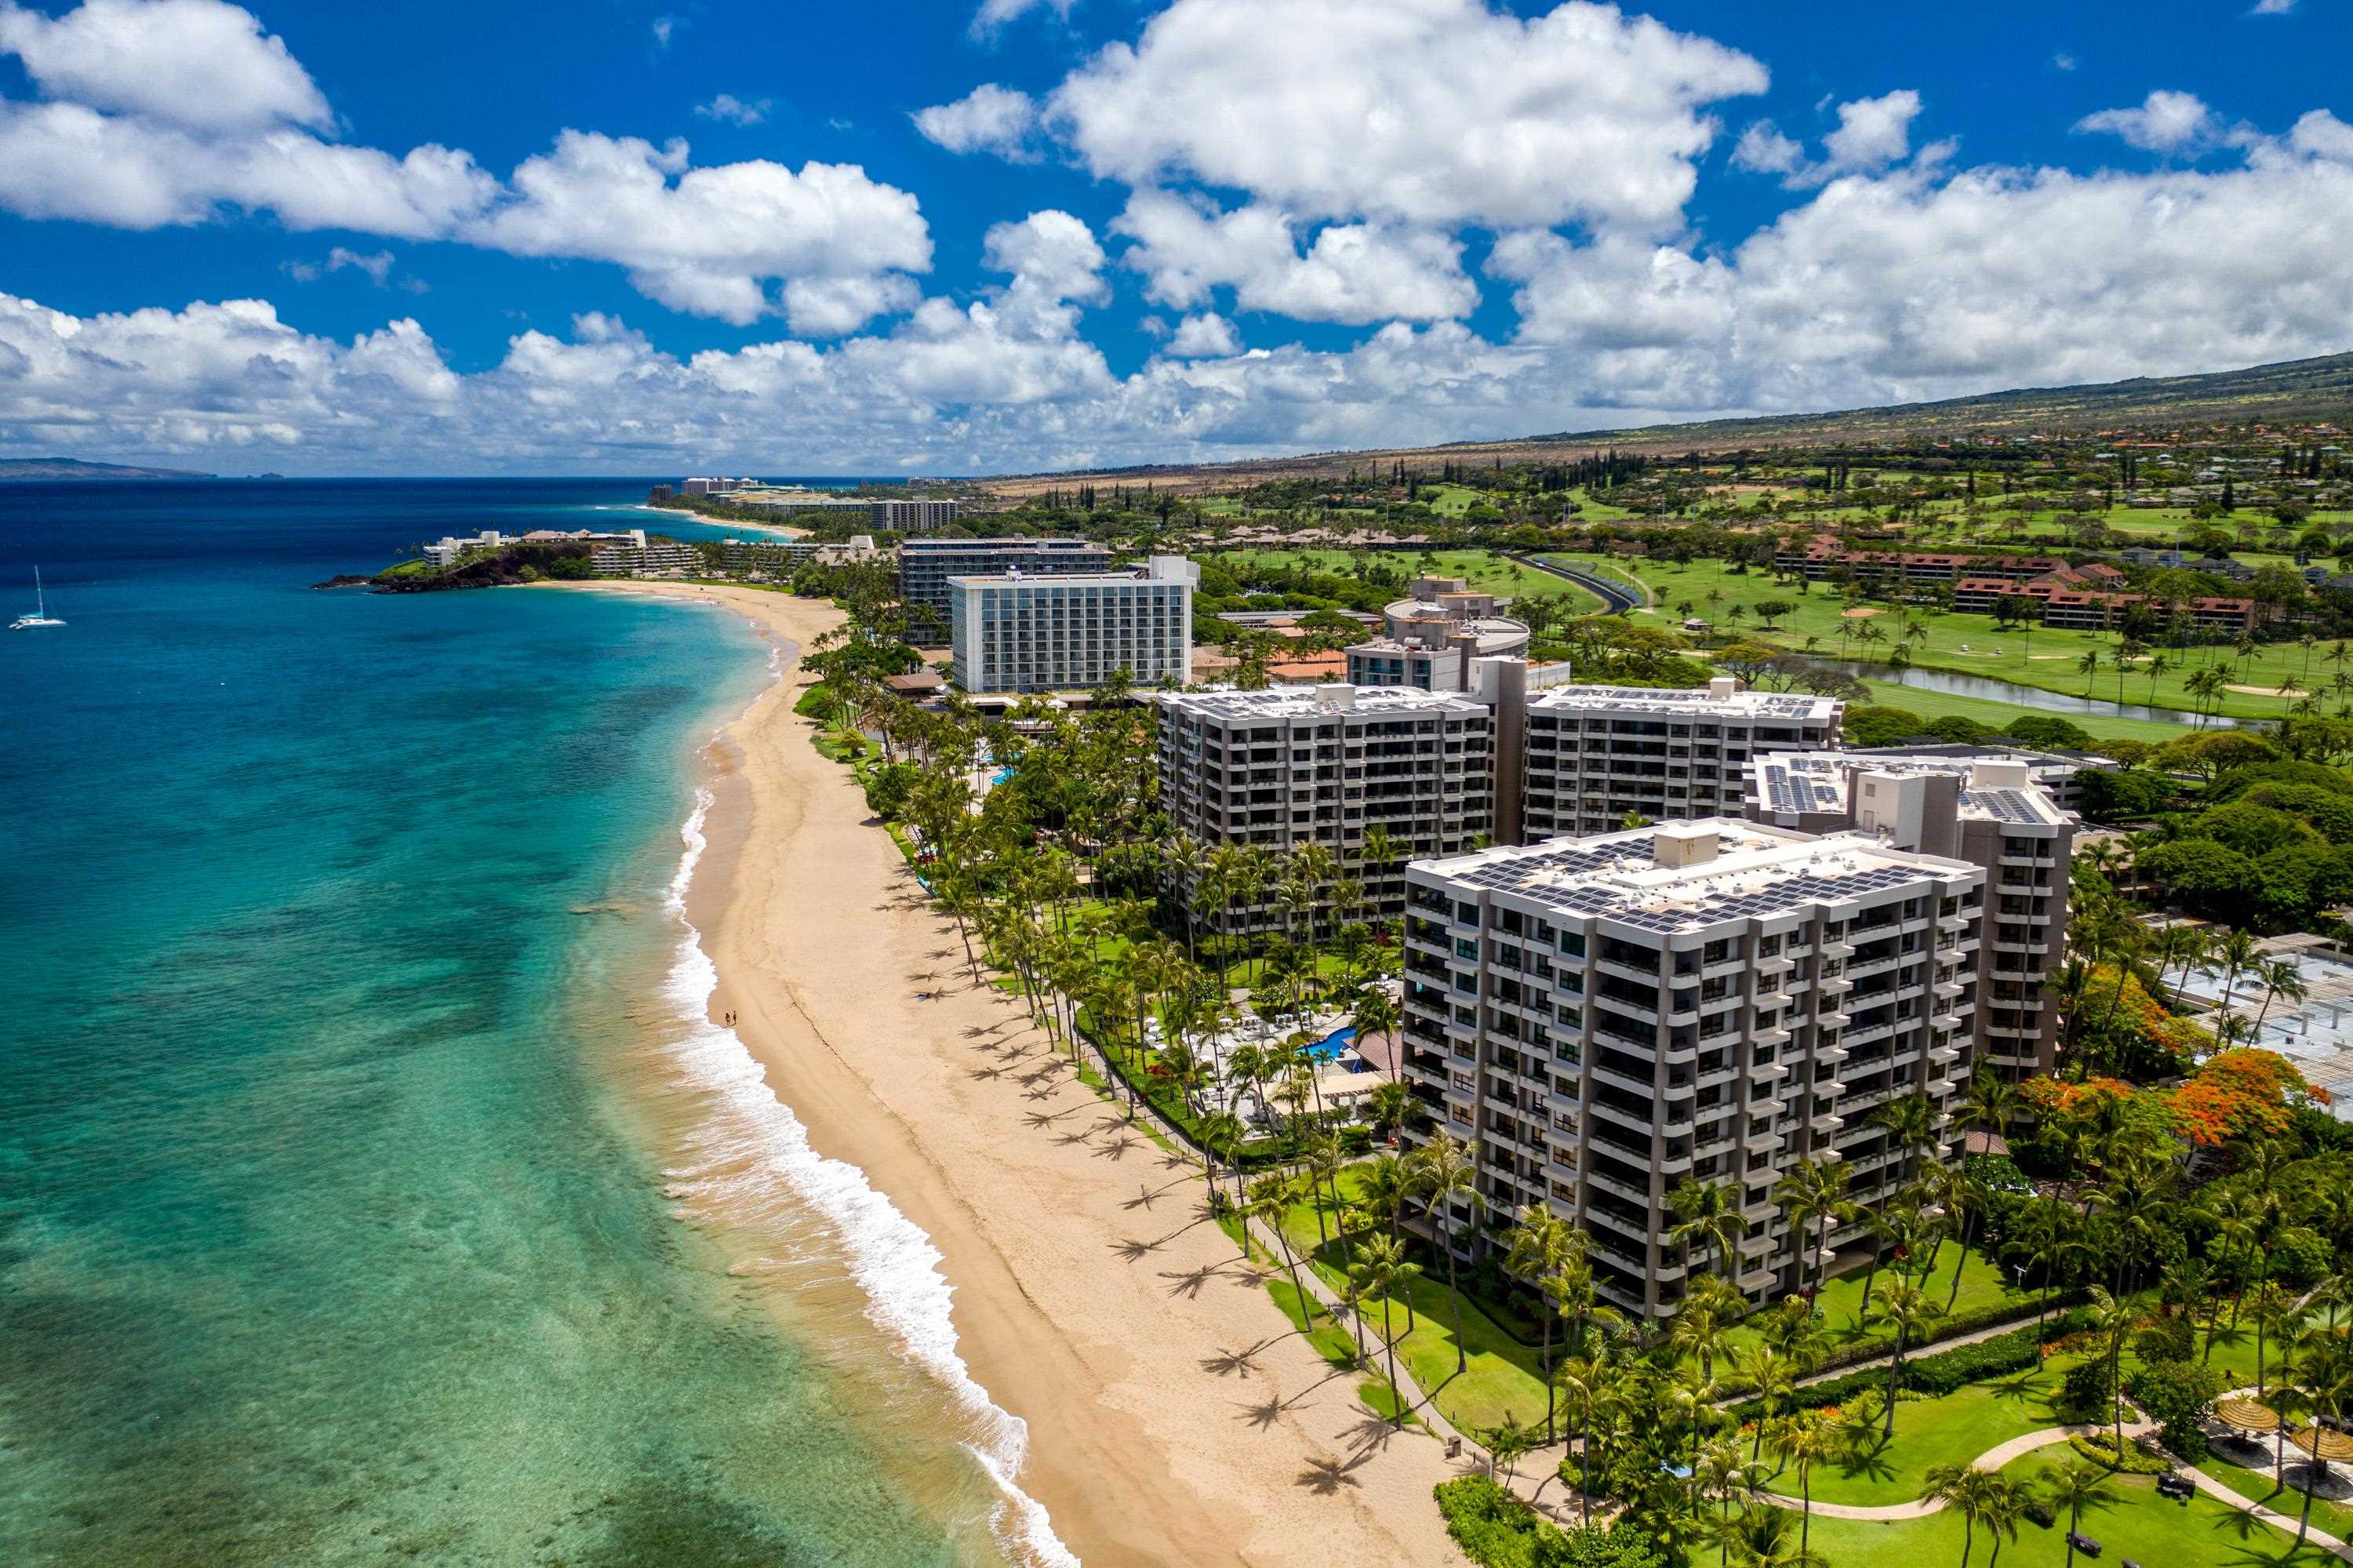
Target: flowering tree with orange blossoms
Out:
[2244,1093]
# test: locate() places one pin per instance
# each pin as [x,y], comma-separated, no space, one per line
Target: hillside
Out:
[2292,391]
[74,467]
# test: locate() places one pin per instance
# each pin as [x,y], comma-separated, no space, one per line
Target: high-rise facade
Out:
[1988,812]
[1718,1000]
[1325,764]
[1596,753]
[1018,633]
[926,565]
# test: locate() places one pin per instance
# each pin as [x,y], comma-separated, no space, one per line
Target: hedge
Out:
[1939,1374]
[1497,1530]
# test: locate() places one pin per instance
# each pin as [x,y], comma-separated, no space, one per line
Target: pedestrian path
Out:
[2002,1454]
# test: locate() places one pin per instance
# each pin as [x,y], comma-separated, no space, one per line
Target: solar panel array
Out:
[1577,880]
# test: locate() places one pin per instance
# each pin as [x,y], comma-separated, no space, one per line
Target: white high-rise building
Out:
[1717,999]
[1017,633]
[1594,753]
[1325,765]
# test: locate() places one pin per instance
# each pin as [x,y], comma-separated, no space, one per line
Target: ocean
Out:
[372,1189]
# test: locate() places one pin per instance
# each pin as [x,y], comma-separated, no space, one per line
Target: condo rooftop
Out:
[1306,702]
[1991,790]
[1708,702]
[1690,877]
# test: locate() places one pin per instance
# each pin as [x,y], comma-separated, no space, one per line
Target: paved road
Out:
[1615,595]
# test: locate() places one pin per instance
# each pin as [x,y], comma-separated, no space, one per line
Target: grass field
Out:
[2141,1526]
[1818,623]
[1483,569]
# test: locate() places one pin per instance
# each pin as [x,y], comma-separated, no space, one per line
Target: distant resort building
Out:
[2063,597]
[1015,634]
[925,566]
[1434,637]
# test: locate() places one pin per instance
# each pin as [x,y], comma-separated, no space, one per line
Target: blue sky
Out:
[996,235]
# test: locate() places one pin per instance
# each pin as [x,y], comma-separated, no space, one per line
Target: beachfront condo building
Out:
[926,565]
[1596,753]
[1019,633]
[1323,764]
[1989,811]
[1717,999]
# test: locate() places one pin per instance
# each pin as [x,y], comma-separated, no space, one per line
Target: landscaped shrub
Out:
[1932,1375]
[2087,1391]
[2178,1395]
[1497,1530]
[2170,1338]
[2100,1447]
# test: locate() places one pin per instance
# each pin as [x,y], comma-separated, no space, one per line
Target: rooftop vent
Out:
[1723,687]
[1676,848]
[1337,697]
[2000,775]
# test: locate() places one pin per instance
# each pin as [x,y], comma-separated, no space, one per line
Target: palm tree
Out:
[1542,1244]
[1447,1171]
[1980,1496]
[2088,666]
[1376,1014]
[1805,1440]
[1581,1384]
[1904,1308]
[1814,1193]
[1707,1215]
[2071,1488]
[1221,1138]
[1382,1269]
[1269,1201]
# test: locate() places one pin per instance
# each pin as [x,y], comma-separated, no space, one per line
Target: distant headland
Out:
[74,467]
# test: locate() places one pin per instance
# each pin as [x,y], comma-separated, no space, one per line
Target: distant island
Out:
[74,467]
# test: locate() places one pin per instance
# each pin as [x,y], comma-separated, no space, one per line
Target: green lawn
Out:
[1501,1376]
[1982,1285]
[1483,569]
[2202,1533]
[1953,1430]
[1818,623]
[2336,1518]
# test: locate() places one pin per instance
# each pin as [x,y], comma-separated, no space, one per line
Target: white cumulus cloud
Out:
[1434,113]
[730,109]
[197,63]
[178,111]
[2165,122]
[1353,273]
[1208,335]
[988,118]
[1872,133]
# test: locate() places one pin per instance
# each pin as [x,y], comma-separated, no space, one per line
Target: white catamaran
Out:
[40,616]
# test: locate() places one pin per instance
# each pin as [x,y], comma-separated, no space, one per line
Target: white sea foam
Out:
[890,1258]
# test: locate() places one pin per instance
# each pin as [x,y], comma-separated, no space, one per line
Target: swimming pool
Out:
[1328,1049]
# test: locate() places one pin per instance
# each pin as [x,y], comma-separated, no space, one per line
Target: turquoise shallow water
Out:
[340,1061]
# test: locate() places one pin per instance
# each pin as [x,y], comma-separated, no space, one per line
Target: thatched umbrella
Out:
[2245,1415]
[2325,1443]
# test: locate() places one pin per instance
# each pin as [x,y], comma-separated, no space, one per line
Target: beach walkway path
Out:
[2002,1454]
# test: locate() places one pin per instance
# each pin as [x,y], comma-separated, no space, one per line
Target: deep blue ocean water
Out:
[331,1228]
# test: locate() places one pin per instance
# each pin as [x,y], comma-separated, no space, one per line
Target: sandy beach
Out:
[1172,1417]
